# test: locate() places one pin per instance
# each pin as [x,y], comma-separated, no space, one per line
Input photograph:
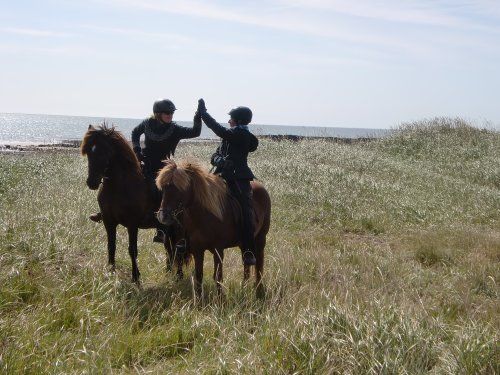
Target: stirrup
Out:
[249,258]
[96,217]
[181,247]
[159,236]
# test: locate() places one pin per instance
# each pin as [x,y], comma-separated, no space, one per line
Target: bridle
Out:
[105,173]
[175,213]
[178,210]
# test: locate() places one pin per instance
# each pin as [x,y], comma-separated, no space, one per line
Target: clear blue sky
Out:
[366,63]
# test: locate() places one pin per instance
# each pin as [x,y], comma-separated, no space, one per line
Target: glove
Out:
[201,107]
[138,153]
[216,160]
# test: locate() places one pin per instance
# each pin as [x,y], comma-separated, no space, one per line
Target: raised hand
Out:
[201,106]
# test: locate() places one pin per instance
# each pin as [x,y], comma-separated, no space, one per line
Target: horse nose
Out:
[163,218]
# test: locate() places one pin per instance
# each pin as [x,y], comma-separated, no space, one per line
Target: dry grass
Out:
[382,258]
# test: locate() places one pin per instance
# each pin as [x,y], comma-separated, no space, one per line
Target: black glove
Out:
[138,153]
[201,107]
[216,160]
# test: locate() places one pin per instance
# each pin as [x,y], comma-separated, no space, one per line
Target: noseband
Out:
[179,210]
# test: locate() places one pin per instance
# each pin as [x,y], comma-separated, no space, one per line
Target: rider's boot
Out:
[96,217]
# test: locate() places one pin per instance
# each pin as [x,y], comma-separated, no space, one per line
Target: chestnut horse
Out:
[200,202]
[124,195]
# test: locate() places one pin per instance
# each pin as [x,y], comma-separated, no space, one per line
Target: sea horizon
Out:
[32,128]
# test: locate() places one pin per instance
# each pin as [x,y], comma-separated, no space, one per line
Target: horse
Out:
[124,195]
[200,202]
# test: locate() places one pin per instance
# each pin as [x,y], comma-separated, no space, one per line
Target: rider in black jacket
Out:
[230,161]
[161,136]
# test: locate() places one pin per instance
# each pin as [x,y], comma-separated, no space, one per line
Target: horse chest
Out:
[119,207]
[213,237]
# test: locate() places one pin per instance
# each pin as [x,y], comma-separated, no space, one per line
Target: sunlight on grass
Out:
[383,257]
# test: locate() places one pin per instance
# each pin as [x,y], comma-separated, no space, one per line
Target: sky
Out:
[363,63]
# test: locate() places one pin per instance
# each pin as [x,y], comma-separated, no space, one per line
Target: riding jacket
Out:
[236,143]
[161,140]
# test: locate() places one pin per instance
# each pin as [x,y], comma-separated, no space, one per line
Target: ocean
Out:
[30,129]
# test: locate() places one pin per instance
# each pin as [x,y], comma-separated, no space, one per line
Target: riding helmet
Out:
[163,106]
[242,115]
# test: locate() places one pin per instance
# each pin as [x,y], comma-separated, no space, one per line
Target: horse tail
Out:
[262,198]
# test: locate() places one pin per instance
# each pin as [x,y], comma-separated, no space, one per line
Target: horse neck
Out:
[121,169]
[198,218]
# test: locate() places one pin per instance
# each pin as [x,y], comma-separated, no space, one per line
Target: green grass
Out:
[383,258]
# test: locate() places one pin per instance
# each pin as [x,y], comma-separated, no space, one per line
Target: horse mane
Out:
[210,191]
[116,139]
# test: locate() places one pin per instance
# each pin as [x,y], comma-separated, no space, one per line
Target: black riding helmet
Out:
[163,106]
[242,115]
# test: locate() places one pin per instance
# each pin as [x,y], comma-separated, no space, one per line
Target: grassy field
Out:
[383,258]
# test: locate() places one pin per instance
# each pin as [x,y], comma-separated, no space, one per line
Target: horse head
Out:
[175,185]
[186,185]
[99,152]
[102,145]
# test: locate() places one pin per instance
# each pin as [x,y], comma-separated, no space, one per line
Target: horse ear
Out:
[90,127]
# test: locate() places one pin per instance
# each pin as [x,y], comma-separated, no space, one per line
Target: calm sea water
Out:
[18,128]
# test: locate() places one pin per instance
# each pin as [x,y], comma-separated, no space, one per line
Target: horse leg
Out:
[246,269]
[218,259]
[168,244]
[132,250]
[198,270]
[180,262]
[171,238]
[111,234]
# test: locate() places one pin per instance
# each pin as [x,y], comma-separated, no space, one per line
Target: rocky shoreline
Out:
[67,145]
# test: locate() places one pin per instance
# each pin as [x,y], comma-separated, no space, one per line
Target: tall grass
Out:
[383,257]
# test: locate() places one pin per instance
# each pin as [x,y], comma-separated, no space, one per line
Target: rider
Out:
[161,136]
[230,161]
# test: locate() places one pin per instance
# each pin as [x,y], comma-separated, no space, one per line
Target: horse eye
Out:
[94,147]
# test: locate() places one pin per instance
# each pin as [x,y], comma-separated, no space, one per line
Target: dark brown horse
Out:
[124,195]
[200,202]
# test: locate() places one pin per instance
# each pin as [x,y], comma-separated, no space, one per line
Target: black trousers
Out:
[242,191]
[150,176]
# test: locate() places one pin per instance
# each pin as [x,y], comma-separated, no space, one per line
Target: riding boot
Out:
[96,217]
[243,192]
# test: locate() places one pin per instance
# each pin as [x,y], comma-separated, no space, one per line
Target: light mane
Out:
[209,190]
